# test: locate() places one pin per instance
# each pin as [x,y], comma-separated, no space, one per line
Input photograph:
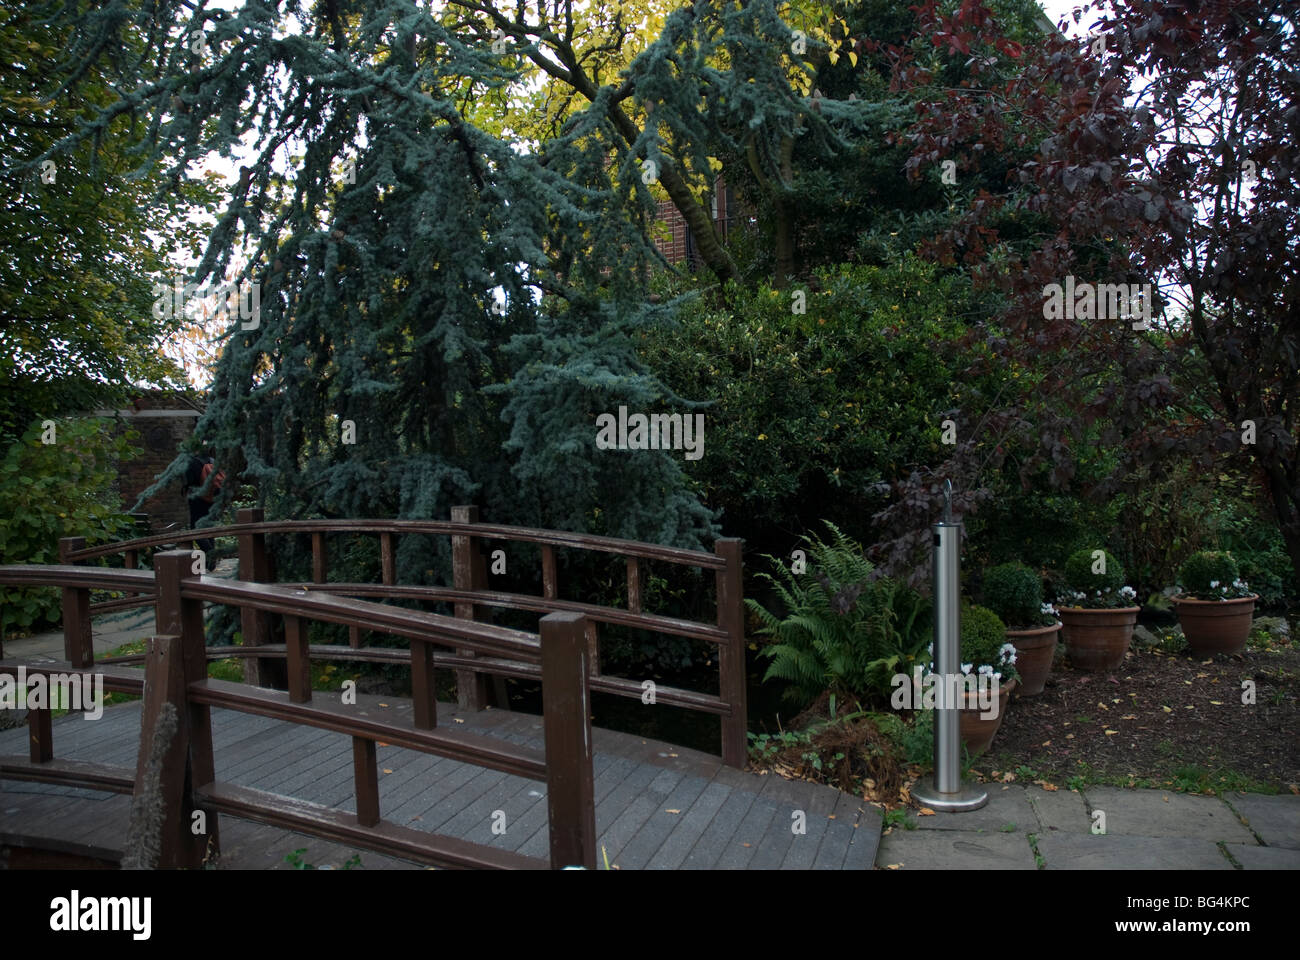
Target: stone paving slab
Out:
[954,850]
[1063,851]
[1163,813]
[1007,807]
[1264,858]
[1063,811]
[1276,820]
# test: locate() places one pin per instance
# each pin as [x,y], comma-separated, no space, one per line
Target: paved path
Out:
[1027,828]
[657,806]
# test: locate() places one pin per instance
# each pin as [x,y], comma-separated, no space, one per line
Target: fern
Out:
[843,630]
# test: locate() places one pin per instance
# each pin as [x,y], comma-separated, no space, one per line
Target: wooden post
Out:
[299,660]
[469,572]
[183,618]
[366,778]
[566,718]
[731,652]
[163,773]
[78,642]
[255,566]
[319,561]
[550,587]
[387,559]
[40,732]
[424,695]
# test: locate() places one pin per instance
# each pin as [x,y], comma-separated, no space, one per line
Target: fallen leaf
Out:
[1201,676]
[386,770]
[1167,709]
[672,811]
[1111,733]
[1129,716]
[745,844]
[383,704]
[1165,798]
[458,719]
[925,812]
[892,866]
[830,816]
[1047,743]
[1069,736]
[380,743]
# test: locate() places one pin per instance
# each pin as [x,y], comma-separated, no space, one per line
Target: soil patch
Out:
[1162,719]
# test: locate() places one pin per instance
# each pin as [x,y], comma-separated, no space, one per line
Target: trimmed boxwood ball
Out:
[1202,569]
[983,635]
[1079,575]
[1015,593]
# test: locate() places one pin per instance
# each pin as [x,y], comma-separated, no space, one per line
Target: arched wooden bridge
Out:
[491,789]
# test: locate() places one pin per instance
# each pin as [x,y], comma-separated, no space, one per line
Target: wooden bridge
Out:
[438,784]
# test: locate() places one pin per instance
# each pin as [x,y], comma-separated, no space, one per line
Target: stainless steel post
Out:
[944,791]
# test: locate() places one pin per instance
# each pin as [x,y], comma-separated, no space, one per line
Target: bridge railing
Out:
[469,595]
[175,771]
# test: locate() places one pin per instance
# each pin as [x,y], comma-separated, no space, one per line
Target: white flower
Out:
[986,671]
[997,676]
[1048,610]
[965,667]
[1213,584]
[1007,649]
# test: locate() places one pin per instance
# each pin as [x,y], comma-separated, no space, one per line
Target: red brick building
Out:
[674,238]
[163,419]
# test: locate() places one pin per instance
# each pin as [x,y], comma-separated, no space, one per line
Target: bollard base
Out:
[968,798]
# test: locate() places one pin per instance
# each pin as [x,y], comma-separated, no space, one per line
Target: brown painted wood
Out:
[556,538]
[523,601]
[327,714]
[633,585]
[299,657]
[164,760]
[179,614]
[255,567]
[389,838]
[354,638]
[366,777]
[731,655]
[424,696]
[469,573]
[387,558]
[131,559]
[40,736]
[68,773]
[566,718]
[78,643]
[319,561]
[550,583]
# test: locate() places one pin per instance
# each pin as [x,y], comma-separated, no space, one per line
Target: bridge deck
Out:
[657,806]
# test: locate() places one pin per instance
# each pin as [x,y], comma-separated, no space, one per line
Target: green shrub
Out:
[1015,594]
[1096,582]
[49,491]
[1212,575]
[841,631]
[984,642]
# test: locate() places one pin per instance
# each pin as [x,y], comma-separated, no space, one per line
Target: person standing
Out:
[196,477]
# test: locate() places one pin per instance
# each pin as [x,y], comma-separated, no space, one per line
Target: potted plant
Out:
[1015,593]
[985,653]
[1215,606]
[1097,615]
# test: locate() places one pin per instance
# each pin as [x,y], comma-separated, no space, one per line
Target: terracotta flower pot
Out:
[1097,640]
[1034,651]
[1216,626]
[977,732]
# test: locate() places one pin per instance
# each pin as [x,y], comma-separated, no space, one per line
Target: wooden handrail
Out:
[482,531]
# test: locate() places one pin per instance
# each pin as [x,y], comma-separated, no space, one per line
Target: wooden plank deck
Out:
[658,806]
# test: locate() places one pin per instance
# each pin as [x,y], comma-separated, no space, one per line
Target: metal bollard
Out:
[944,791]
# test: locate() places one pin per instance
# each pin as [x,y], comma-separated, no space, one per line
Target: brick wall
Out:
[672,236]
[163,421]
